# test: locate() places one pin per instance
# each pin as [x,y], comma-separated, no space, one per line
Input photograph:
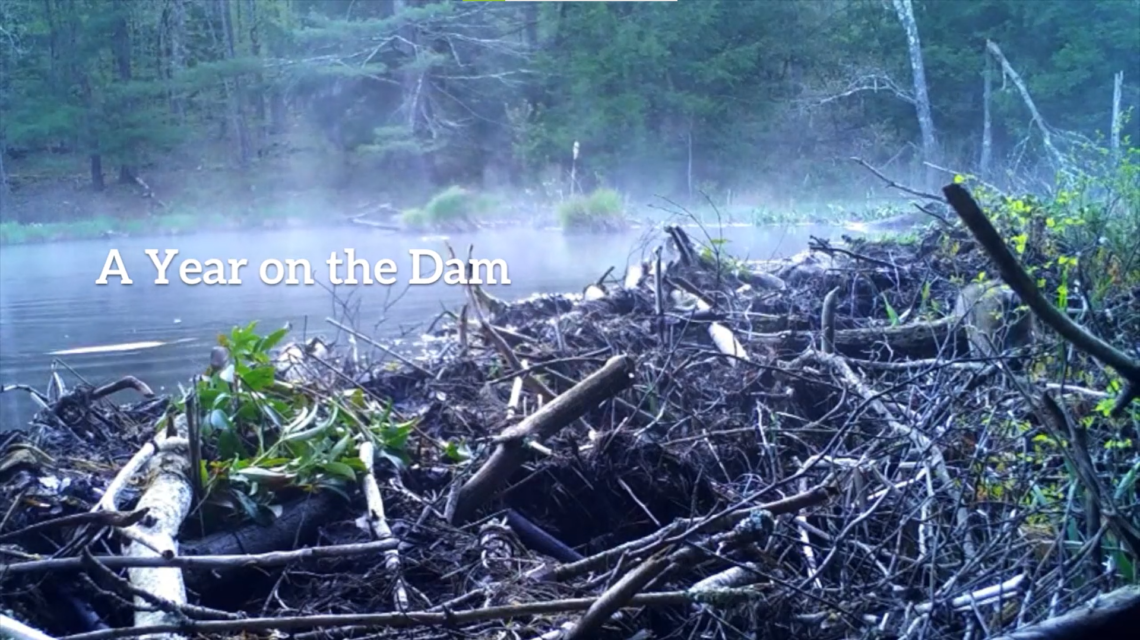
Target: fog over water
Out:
[49,301]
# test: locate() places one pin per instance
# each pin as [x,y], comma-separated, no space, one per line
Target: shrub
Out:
[453,207]
[601,210]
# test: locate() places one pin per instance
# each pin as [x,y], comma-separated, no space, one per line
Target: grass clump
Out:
[453,209]
[414,219]
[602,210]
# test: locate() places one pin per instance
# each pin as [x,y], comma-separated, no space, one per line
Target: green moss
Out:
[602,210]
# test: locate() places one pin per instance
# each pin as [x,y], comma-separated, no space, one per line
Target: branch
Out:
[1018,280]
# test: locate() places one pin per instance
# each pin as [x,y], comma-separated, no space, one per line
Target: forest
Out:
[135,107]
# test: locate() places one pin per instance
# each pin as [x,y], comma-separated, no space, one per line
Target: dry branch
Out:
[616,375]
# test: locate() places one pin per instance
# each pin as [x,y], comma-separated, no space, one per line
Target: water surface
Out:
[49,301]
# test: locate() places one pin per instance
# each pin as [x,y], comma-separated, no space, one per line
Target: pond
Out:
[49,301]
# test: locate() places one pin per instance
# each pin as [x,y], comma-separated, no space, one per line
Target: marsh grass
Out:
[454,208]
[602,210]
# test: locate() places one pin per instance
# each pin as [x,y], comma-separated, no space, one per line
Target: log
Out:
[916,340]
[297,524]
[1111,615]
[613,377]
[167,501]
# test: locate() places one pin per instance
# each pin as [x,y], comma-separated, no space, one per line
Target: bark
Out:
[167,500]
[905,11]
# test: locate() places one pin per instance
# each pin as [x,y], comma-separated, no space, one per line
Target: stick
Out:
[379,346]
[271,559]
[20,631]
[378,523]
[1110,615]
[614,376]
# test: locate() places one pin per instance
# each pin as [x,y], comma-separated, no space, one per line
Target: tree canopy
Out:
[668,98]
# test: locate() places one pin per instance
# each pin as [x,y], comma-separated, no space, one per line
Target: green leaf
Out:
[396,436]
[219,420]
[1124,488]
[271,340]
[258,378]
[457,451]
[340,447]
[891,313]
[339,469]
[230,445]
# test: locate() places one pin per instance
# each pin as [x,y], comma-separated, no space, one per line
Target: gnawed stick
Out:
[432,617]
[723,337]
[752,528]
[614,376]
[378,523]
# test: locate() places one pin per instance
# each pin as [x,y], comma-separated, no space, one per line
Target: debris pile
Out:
[702,448]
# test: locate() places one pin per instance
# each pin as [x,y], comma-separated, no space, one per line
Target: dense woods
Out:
[400,97]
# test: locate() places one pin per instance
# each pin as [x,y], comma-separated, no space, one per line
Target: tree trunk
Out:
[905,11]
[415,87]
[530,18]
[257,93]
[177,38]
[121,46]
[97,172]
[3,175]
[1117,89]
[233,88]
[987,121]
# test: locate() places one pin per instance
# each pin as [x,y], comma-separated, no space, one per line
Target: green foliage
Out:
[264,437]
[714,254]
[601,210]
[454,208]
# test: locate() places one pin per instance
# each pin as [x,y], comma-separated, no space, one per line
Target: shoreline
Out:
[183,225]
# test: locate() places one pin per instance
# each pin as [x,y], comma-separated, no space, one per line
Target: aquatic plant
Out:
[601,210]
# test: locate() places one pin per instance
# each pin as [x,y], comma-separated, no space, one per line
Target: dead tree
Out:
[905,12]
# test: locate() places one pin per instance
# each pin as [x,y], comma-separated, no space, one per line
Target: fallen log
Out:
[167,501]
[915,340]
[297,524]
[1110,615]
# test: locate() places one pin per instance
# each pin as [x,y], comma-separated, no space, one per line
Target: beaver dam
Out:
[697,448]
